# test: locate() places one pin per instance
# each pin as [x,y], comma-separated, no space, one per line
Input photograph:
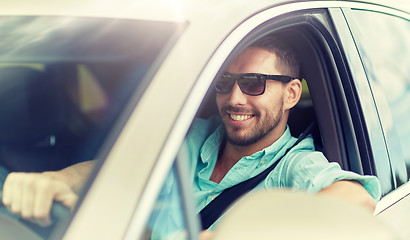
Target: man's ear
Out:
[292,94]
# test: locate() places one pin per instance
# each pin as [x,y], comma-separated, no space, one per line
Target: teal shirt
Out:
[302,168]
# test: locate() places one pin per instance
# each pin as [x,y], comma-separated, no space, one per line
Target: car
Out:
[122,81]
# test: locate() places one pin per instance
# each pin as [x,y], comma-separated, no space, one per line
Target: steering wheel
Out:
[14,227]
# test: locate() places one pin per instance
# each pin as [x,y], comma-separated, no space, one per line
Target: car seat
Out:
[30,117]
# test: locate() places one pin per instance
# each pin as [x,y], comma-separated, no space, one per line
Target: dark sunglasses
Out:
[253,84]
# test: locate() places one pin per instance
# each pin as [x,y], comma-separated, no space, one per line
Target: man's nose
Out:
[237,97]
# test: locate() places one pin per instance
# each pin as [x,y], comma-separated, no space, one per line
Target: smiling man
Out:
[254,97]
[253,120]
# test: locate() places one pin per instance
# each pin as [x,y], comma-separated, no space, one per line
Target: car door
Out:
[338,93]
[382,38]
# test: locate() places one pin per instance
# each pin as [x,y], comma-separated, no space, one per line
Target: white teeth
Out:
[240,117]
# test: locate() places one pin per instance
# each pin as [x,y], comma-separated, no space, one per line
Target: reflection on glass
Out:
[66,83]
[167,218]
[384,45]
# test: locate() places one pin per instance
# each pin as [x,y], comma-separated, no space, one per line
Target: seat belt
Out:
[211,212]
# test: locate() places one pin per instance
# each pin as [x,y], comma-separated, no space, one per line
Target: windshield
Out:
[65,82]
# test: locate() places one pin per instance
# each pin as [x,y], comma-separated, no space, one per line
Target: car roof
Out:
[166,10]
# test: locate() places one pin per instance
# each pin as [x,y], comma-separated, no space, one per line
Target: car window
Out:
[65,83]
[167,219]
[383,43]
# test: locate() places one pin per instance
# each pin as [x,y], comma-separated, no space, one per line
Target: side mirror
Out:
[285,214]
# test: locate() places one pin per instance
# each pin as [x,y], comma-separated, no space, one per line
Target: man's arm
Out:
[351,191]
[31,195]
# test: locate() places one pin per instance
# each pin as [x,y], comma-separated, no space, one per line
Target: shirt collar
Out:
[211,146]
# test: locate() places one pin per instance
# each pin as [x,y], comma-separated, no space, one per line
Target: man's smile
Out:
[240,117]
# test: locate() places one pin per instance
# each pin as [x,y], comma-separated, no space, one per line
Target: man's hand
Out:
[206,235]
[351,191]
[31,195]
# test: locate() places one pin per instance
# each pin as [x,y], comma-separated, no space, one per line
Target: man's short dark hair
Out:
[289,61]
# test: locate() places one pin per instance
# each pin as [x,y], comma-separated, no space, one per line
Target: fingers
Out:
[67,198]
[31,195]
[10,194]
[27,200]
[28,195]
[43,191]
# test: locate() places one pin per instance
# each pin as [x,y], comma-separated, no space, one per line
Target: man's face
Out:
[248,119]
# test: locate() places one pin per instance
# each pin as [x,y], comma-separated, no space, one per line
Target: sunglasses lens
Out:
[252,85]
[224,84]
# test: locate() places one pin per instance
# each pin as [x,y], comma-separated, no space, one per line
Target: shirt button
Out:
[213,197]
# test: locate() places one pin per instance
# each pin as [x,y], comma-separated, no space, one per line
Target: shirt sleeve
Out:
[312,172]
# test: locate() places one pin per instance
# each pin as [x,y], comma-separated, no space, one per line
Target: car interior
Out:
[44,130]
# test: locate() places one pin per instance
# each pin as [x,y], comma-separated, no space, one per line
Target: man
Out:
[254,134]
[253,108]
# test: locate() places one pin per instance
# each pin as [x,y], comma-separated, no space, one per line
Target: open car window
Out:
[319,103]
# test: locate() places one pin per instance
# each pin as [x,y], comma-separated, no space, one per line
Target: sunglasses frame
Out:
[239,77]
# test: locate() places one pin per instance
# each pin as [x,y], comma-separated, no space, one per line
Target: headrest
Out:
[29,106]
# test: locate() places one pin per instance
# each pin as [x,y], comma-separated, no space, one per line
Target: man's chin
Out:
[241,141]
